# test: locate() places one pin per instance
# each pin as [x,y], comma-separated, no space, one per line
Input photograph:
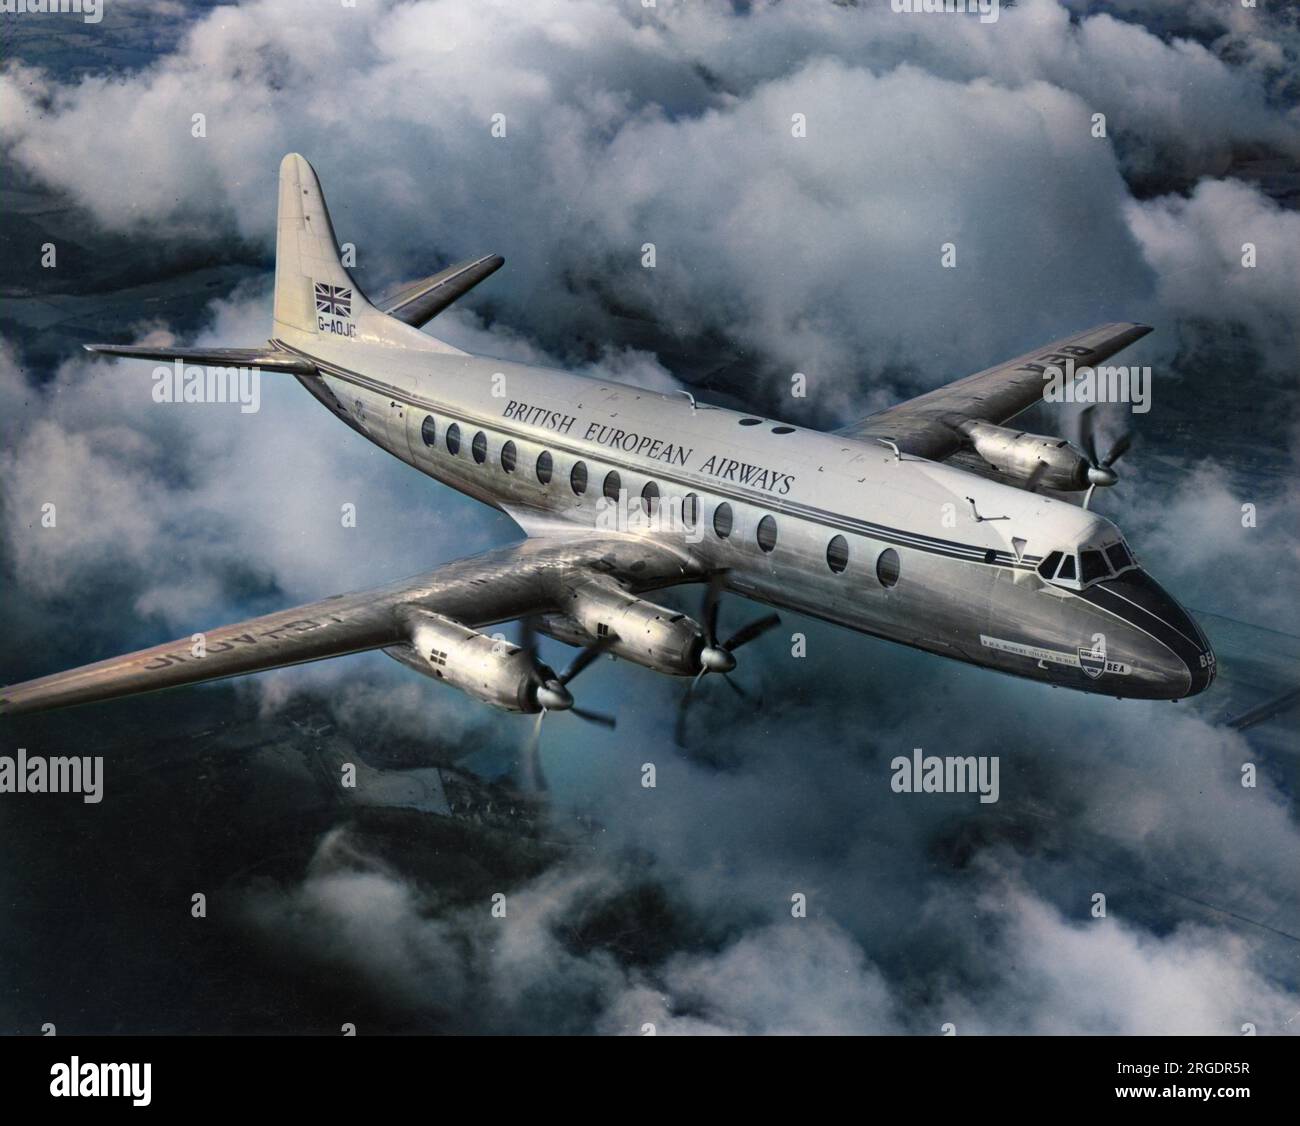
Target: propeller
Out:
[1100,472]
[551,694]
[719,656]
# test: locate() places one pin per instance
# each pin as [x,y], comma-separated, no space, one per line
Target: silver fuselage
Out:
[965,549]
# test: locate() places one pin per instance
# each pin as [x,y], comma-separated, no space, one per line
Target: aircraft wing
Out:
[497,586]
[926,425]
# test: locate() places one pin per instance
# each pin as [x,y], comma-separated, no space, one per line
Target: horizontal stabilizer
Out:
[419,303]
[265,359]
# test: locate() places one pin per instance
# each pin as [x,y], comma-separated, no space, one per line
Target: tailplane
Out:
[317,302]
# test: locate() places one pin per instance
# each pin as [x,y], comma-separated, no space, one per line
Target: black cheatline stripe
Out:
[950,548]
[1184,648]
[1088,595]
[1169,625]
[1156,627]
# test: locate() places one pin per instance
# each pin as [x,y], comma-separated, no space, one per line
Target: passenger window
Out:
[453,439]
[767,533]
[509,458]
[837,554]
[690,510]
[650,498]
[722,520]
[612,484]
[428,431]
[479,447]
[887,567]
[1093,566]
[578,478]
[544,467]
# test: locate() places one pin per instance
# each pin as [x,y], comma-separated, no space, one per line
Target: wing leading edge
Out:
[265,359]
[497,586]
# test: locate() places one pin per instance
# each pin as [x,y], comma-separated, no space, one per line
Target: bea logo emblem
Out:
[333,308]
[1093,662]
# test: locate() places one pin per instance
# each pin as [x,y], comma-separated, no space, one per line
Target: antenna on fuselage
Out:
[975,512]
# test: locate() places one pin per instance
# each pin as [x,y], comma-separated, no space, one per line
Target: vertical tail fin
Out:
[313,291]
[315,294]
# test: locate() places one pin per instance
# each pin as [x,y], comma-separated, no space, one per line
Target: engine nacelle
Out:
[484,667]
[649,635]
[1019,454]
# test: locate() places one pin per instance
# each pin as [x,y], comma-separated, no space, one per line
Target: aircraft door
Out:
[399,419]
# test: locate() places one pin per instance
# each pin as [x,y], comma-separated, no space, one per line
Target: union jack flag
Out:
[334,300]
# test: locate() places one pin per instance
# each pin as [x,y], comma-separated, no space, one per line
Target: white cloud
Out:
[818,255]
[199,502]
[1198,248]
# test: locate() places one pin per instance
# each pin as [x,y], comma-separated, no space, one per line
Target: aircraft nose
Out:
[1147,606]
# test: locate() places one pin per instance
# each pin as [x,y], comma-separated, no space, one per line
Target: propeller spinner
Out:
[551,694]
[719,656]
[1100,473]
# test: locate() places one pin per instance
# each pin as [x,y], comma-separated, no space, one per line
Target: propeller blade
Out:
[585,658]
[736,688]
[1087,435]
[595,717]
[1087,497]
[683,706]
[712,603]
[679,728]
[528,643]
[755,629]
[531,779]
[1118,450]
[743,636]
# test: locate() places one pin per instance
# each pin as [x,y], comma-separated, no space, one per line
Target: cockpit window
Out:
[1094,566]
[1118,556]
[1082,567]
